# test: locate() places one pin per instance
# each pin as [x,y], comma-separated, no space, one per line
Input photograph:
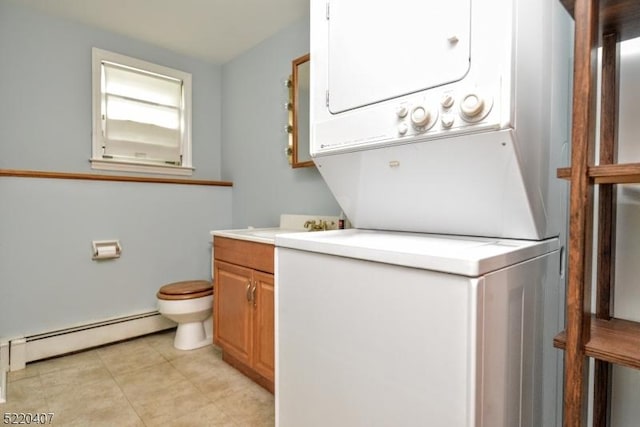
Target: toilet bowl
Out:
[189,304]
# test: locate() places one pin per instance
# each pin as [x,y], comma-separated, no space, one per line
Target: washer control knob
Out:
[447,100]
[402,128]
[472,105]
[447,120]
[420,116]
[402,111]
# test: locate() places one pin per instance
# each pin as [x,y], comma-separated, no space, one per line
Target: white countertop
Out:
[260,235]
[289,223]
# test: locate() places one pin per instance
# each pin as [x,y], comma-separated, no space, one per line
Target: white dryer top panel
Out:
[370,60]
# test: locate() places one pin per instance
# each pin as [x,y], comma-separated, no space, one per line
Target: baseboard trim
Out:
[69,340]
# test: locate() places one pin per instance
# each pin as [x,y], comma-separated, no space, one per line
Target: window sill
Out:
[114,165]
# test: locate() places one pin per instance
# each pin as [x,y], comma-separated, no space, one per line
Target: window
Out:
[141,116]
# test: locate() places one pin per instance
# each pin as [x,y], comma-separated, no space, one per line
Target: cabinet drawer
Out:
[258,256]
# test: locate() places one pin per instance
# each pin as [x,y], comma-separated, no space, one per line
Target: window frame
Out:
[97,161]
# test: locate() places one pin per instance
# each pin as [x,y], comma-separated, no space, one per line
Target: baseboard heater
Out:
[55,343]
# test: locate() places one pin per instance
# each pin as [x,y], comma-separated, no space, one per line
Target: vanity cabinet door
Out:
[233,307]
[263,344]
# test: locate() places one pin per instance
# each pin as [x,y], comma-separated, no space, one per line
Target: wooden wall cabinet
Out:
[243,307]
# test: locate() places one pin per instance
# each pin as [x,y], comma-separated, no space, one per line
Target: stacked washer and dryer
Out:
[438,127]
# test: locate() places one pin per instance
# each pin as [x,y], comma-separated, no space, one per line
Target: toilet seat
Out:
[188,289]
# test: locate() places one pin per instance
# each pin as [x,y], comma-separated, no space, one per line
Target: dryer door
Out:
[371,58]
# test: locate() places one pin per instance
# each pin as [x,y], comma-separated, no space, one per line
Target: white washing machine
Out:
[401,329]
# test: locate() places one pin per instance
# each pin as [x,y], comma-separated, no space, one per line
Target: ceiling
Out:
[212,30]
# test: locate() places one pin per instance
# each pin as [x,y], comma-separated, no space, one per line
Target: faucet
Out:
[320,225]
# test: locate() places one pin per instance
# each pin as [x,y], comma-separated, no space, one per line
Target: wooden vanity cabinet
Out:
[243,307]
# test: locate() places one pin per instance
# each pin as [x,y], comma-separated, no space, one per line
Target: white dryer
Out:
[443,117]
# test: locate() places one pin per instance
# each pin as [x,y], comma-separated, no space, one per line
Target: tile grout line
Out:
[120,388]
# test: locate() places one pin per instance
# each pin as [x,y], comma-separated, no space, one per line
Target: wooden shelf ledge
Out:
[619,16]
[619,173]
[21,173]
[563,173]
[614,341]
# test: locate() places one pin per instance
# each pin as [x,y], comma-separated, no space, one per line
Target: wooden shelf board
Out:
[619,16]
[564,173]
[615,174]
[620,173]
[615,341]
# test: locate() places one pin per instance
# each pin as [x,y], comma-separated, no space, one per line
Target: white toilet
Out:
[189,304]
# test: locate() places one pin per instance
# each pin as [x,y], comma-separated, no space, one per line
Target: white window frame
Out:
[135,165]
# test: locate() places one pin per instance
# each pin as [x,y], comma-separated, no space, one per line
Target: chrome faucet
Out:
[320,225]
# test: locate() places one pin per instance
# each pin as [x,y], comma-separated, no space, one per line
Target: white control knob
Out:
[402,128]
[447,120]
[402,111]
[472,105]
[447,100]
[420,116]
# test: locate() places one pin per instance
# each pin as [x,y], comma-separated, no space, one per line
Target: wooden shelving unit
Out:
[597,335]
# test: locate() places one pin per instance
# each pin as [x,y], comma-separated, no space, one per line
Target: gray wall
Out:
[47,277]
[45,83]
[253,137]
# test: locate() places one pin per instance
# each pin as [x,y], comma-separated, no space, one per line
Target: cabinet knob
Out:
[249,290]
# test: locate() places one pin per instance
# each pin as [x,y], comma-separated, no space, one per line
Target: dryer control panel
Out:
[440,113]
[451,111]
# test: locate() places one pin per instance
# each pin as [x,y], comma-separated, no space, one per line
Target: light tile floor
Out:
[141,382]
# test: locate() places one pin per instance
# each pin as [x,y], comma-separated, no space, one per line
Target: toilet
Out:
[189,304]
